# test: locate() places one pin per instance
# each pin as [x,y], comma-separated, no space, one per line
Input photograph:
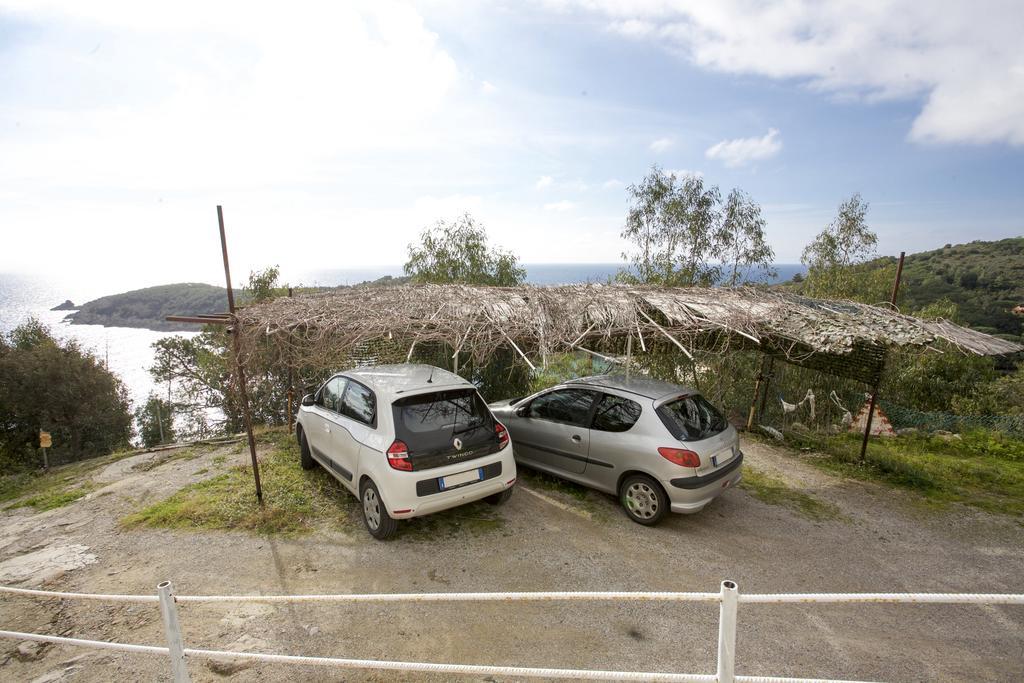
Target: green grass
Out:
[53,498]
[58,486]
[774,491]
[983,469]
[543,480]
[296,502]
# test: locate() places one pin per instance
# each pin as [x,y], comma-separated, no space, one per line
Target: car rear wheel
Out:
[378,522]
[305,457]
[501,497]
[643,499]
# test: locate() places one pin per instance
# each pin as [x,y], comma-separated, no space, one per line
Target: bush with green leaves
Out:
[54,385]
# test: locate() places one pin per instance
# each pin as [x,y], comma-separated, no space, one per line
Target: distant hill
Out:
[149,306]
[984,279]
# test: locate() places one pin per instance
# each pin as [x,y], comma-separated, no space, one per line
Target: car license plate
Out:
[722,458]
[453,480]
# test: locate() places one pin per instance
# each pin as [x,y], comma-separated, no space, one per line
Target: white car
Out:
[408,440]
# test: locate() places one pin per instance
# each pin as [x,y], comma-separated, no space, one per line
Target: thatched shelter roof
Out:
[842,337]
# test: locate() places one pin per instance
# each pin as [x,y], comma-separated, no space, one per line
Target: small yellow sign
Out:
[44,439]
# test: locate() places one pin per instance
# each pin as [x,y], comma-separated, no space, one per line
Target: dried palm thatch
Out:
[844,338]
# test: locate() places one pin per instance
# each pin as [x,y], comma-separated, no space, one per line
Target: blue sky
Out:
[333,136]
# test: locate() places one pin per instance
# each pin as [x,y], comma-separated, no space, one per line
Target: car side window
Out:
[568,406]
[359,403]
[615,414]
[330,394]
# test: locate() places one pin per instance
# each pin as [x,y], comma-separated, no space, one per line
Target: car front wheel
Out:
[378,522]
[644,499]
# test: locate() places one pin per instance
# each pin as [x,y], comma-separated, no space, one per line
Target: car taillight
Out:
[680,456]
[398,456]
[502,433]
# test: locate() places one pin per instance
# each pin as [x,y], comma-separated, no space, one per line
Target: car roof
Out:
[642,386]
[405,378]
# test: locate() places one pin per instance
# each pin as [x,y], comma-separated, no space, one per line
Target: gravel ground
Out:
[885,540]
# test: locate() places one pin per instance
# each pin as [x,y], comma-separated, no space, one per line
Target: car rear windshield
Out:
[430,422]
[692,418]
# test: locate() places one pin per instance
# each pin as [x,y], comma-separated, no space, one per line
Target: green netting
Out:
[902,417]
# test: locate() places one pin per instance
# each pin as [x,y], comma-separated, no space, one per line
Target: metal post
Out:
[243,393]
[767,383]
[878,380]
[727,633]
[172,631]
[291,380]
[629,354]
[757,392]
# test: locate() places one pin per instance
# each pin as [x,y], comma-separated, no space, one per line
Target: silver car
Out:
[657,446]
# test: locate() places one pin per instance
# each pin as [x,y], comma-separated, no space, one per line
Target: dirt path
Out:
[546,540]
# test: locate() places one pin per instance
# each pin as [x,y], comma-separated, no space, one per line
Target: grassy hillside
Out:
[148,307]
[985,279]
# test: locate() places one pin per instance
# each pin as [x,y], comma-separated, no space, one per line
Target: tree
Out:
[836,256]
[263,285]
[743,245]
[156,422]
[679,227]
[55,386]
[200,370]
[458,252]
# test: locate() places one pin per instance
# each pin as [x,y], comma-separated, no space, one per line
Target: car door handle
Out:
[327,428]
[577,438]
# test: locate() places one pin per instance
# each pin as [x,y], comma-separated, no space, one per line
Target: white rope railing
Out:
[728,599]
[421,667]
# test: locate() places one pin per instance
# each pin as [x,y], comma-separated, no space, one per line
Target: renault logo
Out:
[458,444]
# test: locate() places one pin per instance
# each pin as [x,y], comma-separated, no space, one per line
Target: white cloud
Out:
[612,184]
[563,205]
[965,60]
[742,151]
[431,208]
[488,88]
[209,96]
[684,172]
[545,181]
[661,145]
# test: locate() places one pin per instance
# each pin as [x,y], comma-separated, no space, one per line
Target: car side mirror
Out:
[307,400]
[521,411]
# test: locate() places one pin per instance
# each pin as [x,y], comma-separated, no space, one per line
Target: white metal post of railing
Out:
[728,598]
[172,632]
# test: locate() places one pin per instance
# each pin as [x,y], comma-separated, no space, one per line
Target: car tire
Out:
[378,522]
[501,497]
[643,499]
[305,457]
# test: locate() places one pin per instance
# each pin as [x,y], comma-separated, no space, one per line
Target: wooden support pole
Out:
[243,393]
[878,380]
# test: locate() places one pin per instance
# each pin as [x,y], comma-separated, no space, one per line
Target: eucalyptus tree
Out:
[458,252]
[834,257]
[683,234]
